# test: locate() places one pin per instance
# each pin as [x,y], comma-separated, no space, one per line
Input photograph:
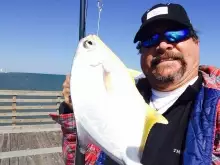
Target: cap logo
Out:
[157,11]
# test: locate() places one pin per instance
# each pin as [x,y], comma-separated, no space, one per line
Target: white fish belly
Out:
[113,123]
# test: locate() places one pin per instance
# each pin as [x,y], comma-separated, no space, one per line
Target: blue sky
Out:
[41,36]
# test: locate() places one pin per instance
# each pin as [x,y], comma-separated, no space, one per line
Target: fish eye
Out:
[88,44]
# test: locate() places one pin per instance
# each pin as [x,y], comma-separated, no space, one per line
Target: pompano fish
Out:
[109,110]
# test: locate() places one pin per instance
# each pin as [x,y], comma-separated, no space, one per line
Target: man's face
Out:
[169,62]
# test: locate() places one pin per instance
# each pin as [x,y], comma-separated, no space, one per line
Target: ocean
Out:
[29,81]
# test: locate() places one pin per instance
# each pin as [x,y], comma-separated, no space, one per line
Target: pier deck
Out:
[32,145]
[28,136]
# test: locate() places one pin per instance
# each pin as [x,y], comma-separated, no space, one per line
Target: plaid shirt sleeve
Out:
[216,148]
[68,128]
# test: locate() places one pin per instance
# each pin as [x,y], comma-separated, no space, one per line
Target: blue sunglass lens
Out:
[170,36]
[176,36]
[151,41]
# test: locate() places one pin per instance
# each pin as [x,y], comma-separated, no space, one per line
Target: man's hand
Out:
[66,91]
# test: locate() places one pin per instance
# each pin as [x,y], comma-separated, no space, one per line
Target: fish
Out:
[109,110]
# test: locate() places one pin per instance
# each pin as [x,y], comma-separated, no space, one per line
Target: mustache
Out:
[167,55]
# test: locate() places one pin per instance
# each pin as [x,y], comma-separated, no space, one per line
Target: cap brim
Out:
[144,26]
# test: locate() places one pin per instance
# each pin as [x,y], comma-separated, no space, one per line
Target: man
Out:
[187,94]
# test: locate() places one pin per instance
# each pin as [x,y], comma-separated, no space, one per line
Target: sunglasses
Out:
[174,36]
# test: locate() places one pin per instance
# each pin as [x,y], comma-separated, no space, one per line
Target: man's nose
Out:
[164,46]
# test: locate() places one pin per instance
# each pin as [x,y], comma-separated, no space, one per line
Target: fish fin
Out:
[152,117]
[131,75]
[107,80]
[134,73]
[132,78]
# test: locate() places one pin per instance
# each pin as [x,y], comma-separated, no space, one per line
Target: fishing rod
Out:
[82,19]
[83,13]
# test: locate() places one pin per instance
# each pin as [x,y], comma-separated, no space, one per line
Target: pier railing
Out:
[24,107]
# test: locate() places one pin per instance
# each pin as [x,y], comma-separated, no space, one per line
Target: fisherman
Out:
[176,85]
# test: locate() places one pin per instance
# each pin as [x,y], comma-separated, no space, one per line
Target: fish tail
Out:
[152,117]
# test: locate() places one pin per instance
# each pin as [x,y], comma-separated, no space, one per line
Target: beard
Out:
[171,77]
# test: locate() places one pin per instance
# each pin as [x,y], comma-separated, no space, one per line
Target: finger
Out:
[66,99]
[66,85]
[66,91]
[67,81]
[68,78]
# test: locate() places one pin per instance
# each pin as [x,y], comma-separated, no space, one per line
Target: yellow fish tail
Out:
[152,117]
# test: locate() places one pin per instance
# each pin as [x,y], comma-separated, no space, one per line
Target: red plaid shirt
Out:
[211,77]
[68,127]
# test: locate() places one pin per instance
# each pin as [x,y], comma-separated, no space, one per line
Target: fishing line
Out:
[99,5]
